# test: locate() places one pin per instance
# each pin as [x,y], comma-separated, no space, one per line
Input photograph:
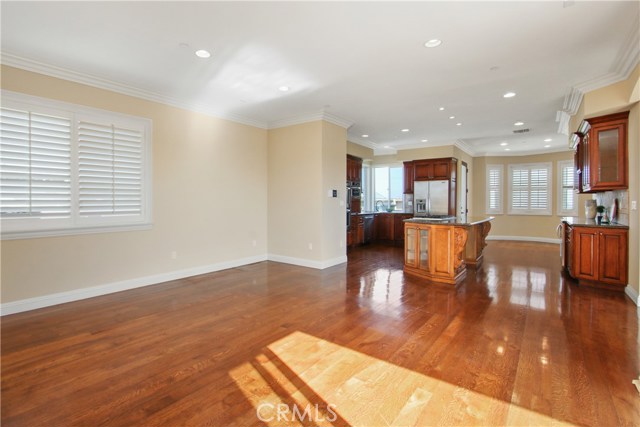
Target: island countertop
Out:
[459,220]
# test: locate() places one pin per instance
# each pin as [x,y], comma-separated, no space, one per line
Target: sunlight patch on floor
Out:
[305,380]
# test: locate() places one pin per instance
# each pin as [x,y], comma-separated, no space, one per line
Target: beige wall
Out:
[622,96]
[334,166]
[306,161]
[209,200]
[295,186]
[359,151]
[537,226]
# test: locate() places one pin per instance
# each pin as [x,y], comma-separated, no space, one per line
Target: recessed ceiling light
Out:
[507,149]
[433,43]
[405,130]
[547,146]
[365,136]
[459,124]
[284,88]
[452,117]
[386,146]
[441,108]
[202,53]
[518,123]
[548,140]
[509,95]
[504,143]
[425,140]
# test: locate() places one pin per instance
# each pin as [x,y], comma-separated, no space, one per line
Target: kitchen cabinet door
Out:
[612,254]
[409,177]
[585,256]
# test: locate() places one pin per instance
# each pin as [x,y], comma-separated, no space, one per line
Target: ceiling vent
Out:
[521,130]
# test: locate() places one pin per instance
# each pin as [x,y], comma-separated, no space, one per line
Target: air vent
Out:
[521,130]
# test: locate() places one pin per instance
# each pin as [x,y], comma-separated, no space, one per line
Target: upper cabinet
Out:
[354,169]
[601,153]
[408,177]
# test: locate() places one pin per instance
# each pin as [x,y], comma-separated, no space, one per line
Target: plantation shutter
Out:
[494,189]
[110,174]
[539,189]
[35,165]
[568,195]
[530,189]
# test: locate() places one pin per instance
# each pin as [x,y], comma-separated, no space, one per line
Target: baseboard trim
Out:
[94,291]
[318,265]
[525,239]
[633,296]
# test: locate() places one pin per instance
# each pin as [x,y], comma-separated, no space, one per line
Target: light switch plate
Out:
[634,205]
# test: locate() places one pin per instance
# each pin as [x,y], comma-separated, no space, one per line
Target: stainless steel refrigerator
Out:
[430,198]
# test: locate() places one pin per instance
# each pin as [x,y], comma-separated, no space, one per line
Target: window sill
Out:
[20,235]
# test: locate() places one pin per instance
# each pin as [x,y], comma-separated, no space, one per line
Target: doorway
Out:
[464,189]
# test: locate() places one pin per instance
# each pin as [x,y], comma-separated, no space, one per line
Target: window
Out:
[388,188]
[530,189]
[67,169]
[366,193]
[494,189]
[567,203]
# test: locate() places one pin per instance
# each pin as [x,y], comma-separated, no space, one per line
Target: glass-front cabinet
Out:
[423,249]
[601,153]
[410,248]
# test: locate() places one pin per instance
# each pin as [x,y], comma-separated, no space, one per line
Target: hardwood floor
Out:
[515,343]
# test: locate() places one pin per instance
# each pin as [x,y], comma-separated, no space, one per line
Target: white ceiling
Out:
[356,62]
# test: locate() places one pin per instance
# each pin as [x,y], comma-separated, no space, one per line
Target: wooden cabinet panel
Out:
[409,177]
[398,226]
[423,170]
[612,250]
[599,255]
[585,253]
[383,225]
[601,153]
[354,169]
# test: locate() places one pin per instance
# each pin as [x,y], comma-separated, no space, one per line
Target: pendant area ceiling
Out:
[363,63]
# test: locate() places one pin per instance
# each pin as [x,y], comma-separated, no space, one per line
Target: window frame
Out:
[31,227]
[500,188]
[372,186]
[561,211]
[531,166]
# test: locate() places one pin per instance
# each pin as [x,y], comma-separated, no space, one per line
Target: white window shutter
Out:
[35,165]
[110,170]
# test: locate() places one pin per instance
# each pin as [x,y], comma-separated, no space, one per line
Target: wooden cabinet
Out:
[383,226]
[409,177]
[599,255]
[398,227]
[435,252]
[355,232]
[433,169]
[601,155]
[354,169]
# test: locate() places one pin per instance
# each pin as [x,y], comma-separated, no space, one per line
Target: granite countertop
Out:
[583,222]
[459,220]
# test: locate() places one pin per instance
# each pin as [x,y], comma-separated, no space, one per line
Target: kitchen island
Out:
[440,250]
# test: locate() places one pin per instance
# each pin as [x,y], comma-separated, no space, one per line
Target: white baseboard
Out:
[633,295]
[319,265]
[94,291]
[525,239]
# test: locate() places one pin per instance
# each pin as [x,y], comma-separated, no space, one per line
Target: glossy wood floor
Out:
[359,344]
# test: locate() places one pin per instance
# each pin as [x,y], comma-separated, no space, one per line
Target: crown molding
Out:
[462,145]
[113,86]
[310,117]
[525,153]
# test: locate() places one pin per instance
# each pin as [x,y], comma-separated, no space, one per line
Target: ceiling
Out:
[362,64]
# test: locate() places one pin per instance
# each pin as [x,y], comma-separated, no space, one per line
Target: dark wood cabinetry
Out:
[383,226]
[433,169]
[597,255]
[409,177]
[600,152]
[354,169]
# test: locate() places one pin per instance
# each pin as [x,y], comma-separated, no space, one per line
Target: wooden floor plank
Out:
[516,343]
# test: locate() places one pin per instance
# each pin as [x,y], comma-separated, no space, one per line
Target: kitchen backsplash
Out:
[607,198]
